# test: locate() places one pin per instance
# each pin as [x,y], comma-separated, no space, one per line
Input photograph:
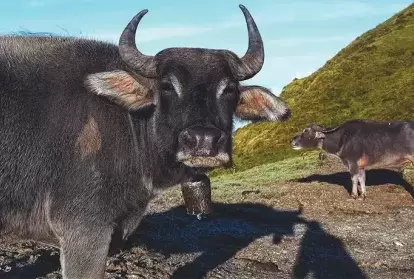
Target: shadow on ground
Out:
[39,264]
[232,228]
[218,238]
[373,178]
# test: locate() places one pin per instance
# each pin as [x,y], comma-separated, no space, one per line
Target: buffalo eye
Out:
[230,89]
[167,86]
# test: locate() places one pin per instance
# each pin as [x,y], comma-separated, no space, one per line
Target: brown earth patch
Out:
[265,235]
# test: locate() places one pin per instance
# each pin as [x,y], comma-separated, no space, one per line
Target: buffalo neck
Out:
[152,161]
[331,142]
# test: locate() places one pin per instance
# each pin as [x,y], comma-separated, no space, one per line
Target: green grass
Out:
[230,186]
[269,179]
[371,78]
[408,175]
[268,173]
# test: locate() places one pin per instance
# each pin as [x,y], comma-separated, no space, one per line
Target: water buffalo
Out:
[90,131]
[362,144]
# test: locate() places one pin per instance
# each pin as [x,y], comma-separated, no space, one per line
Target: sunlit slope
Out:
[372,77]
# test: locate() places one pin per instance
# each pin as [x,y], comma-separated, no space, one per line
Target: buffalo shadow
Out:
[374,177]
[229,229]
[233,227]
[44,262]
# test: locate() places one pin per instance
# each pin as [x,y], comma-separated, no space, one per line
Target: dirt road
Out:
[332,236]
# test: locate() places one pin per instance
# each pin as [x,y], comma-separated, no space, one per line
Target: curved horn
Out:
[323,129]
[251,63]
[142,64]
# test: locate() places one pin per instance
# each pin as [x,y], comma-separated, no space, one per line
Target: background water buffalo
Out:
[362,144]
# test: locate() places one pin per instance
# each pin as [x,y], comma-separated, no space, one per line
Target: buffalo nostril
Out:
[189,139]
[222,139]
[202,141]
[215,138]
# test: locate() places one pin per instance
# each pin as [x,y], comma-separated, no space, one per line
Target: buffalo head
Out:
[192,93]
[310,137]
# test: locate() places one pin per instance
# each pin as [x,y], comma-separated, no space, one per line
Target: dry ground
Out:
[260,232]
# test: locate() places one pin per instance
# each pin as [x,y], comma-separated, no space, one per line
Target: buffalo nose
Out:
[202,141]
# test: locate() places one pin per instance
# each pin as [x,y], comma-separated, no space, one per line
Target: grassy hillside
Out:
[372,77]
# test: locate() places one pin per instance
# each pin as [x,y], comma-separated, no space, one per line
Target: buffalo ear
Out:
[259,104]
[121,88]
[317,128]
[319,135]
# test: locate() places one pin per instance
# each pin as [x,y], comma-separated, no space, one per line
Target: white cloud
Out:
[311,11]
[295,41]
[337,9]
[360,9]
[160,33]
[155,33]
[289,60]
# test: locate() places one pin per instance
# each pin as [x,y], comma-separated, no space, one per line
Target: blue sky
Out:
[299,35]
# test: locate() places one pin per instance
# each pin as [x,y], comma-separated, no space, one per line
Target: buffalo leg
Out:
[362,179]
[83,253]
[354,171]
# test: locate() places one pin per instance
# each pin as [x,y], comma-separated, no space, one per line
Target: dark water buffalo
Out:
[362,144]
[89,132]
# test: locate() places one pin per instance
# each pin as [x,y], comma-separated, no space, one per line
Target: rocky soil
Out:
[309,228]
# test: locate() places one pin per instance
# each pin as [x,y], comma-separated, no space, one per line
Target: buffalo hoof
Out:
[354,196]
[363,196]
